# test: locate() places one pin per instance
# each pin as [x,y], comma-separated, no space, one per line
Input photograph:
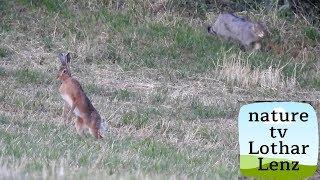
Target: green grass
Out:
[3,5]
[137,119]
[48,43]
[120,21]
[95,89]
[201,111]
[2,71]
[312,33]
[209,134]
[3,120]
[3,52]
[123,95]
[110,155]
[50,5]
[159,97]
[189,53]
[28,76]
[315,83]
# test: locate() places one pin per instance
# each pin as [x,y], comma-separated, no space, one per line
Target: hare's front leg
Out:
[65,110]
[79,125]
[71,111]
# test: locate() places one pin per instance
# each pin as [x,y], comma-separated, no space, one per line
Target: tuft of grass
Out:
[4,120]
[95,89]
[48,42]
[28,76]
[3,52]
[140,117]
[2,71]
[315,83]
[286,13]
[193,8]
[3,5]
[111,55]
[20,102]
[5,25]
[201,111]
[312,33]
[123,95]
[159,98]
[50,5]
[137,119]
[33,166]
[156,30]
[120,21]
[210,134]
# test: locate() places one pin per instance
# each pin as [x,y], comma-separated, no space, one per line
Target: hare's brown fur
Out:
[76,99]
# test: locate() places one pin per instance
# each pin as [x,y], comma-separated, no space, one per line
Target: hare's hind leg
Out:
[95,132]
[80,126]
[94,124]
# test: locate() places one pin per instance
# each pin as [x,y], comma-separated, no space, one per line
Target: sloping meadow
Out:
[169,91]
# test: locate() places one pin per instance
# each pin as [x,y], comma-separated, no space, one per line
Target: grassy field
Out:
[169,91]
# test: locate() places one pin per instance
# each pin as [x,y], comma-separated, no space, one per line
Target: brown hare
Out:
[76,99]
[230,26]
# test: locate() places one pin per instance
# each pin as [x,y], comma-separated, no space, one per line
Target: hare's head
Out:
[259,30]
[64,71]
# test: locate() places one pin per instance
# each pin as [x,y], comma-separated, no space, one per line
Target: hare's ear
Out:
[67,58]
[62,59]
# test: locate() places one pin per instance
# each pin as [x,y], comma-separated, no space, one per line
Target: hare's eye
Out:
[64,71]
